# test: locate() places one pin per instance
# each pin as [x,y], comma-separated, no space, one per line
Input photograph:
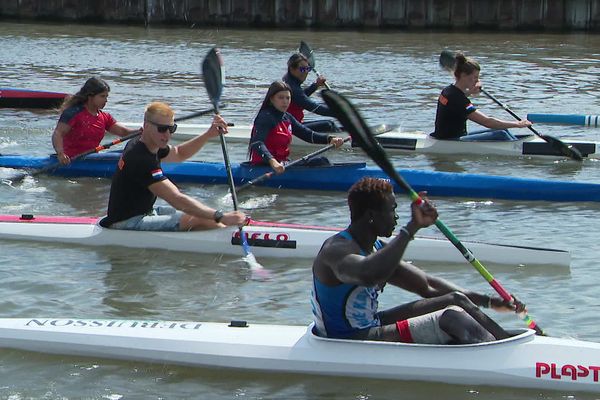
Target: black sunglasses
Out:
[307,68]
[164,128]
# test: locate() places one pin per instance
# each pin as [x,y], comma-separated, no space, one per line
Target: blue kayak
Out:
[335,177]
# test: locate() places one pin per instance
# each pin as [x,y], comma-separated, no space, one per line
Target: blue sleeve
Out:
[311,89]
[301,99]
[68,114]
[307,134]
[263,124]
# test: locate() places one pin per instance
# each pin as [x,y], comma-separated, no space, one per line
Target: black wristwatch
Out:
[218,215]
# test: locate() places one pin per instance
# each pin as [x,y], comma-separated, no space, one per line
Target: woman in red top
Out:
[82,123]
[273,129]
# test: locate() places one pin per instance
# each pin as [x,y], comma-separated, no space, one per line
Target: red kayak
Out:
[20,98]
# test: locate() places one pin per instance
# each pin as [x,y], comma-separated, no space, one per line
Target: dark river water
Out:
[392,78]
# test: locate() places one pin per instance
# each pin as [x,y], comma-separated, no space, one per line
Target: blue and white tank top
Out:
[342,310]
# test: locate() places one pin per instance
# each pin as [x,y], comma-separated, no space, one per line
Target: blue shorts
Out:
[499,135]
[162,218]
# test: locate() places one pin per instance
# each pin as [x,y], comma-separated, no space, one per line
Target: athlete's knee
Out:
[460,299]
[462,327]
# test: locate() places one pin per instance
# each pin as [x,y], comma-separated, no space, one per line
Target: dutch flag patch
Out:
[157,174]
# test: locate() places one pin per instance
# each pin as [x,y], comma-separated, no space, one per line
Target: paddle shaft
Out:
[229,172]
[197,114]
[467,254]
[505,107]
[97,149]
[565,149]
[243,237]
[364,137]
[448,61]
[268,175]
[319,75]
[103,147]
[107,145]
[307,52]
[380,129]
[213,81]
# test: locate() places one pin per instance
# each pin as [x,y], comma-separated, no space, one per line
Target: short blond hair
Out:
[158,108]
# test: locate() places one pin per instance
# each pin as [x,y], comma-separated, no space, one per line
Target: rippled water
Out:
[393,78]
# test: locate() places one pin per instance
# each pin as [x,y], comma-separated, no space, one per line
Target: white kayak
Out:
[421,143]
[524,360]
[267,240]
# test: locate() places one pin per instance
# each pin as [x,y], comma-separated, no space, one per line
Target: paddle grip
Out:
[318,76]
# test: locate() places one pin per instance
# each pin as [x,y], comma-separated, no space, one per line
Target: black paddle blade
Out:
[361,134]
[213,76]
[383,128]
[307,52]
[447,60]
[567,150]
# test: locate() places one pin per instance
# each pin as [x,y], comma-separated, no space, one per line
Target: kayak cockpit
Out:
[518,336]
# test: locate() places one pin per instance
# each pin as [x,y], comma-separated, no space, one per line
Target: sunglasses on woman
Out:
[308,68]
[163,128]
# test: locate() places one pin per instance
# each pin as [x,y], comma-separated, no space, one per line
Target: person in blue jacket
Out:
[273,129]
[298,69]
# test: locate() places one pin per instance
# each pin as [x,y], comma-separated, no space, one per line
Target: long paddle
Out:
[378,130]
[307,52]
[99,148]
[448,62]
[213,81]
[362,135]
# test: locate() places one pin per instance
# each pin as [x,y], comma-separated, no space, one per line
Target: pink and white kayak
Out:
[266,238]
[523,360]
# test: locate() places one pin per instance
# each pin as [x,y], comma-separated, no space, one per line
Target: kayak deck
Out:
[338,177]
[267,239]
[420,142]
[524,360]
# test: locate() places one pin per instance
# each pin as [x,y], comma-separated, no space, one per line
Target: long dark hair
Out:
[91,87]
[465,65]
[276,87]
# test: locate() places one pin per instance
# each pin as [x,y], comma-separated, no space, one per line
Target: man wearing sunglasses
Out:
[139,180]
[298,69]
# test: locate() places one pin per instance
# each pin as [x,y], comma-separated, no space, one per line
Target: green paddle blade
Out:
[213,76]
[363,136]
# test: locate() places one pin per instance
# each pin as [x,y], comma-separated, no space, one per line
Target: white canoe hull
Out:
[420,142]
[524,360]
[266,239]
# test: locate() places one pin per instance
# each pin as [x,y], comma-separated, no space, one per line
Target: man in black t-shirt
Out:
[139,180]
